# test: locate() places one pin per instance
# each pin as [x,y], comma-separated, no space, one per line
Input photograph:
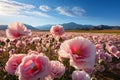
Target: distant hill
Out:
[4,27]
[44,27]
[69,26]
[105,27]
[30,27]
[75,26]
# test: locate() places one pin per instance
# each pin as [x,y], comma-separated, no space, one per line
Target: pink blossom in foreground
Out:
[16,30]
[81,52]
[13,63]
[80,75]
[57,69]
[33,67]
[57,30]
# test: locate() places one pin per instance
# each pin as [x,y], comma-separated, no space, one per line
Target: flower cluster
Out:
[26,55]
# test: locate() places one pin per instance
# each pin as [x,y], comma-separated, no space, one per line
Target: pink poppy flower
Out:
[13,63]
[101,55]
[36,39]
[81,52]
[17,30]
[11,52]
[112,49]
[57,69]
[101,68]
[33,67]
[60,58]
[110,43]
[118,65]
[99,46]
[63,37]
[117,54]
[108,57]
[19,44]
[33,52]
[1,50]
[80,75]
[89,71]
[57,30]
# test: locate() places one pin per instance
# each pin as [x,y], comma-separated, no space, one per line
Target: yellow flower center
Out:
[78,52]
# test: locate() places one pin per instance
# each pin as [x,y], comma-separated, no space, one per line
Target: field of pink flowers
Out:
[58,55]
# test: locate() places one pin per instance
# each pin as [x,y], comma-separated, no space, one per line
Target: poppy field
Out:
[58,55]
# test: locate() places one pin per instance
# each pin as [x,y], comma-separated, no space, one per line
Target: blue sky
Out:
[42,12]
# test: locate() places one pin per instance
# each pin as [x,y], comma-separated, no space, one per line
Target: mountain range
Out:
[68,26]
[4,27]
[75,26]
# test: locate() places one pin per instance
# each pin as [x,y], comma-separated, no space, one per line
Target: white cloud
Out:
[78,11]
[10,7]
[45,8]
[13,8]
[64,11]
[72,12]
[38,13]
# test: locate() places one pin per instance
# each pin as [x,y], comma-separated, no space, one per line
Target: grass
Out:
[96,31]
